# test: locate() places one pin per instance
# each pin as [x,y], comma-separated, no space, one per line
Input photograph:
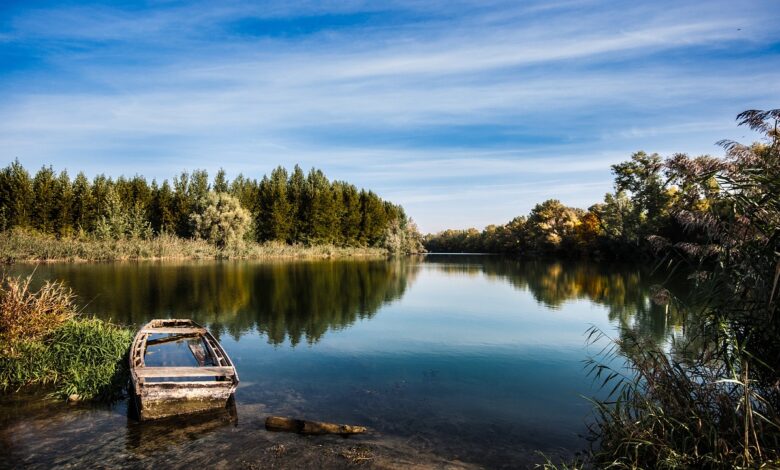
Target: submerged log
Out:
[300,426]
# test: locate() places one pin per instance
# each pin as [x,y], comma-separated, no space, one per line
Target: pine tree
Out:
[16,196]
[61,209]
[181,204]
[280,216]
[43,200]
[220,182]
[82,204]
[350,221]
[322,218]
[101,186]
[373,218]
[299,206]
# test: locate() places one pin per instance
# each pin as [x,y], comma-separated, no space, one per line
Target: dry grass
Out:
[29,316]
[19,245]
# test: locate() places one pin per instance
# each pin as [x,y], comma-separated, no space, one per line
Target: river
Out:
[448,359]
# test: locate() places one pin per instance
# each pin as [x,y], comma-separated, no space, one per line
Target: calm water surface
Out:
[473,358]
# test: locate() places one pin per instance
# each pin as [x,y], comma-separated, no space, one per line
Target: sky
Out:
[466,113]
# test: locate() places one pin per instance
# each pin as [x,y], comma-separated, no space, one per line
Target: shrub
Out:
[221,220]
[28,316]
[43,341]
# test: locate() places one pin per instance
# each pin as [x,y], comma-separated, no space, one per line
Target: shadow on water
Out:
[146,438]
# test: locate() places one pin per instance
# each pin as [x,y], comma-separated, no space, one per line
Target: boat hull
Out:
[164,399]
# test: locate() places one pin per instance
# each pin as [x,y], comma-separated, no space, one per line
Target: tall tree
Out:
[322,217]
[642,177]
[220,182]
[83,205]
[43,199]
[63,201]
[299,205]
[16,196]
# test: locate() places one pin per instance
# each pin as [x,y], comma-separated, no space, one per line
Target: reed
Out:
[44,341]
[24,245]
[27,315]
[667,411]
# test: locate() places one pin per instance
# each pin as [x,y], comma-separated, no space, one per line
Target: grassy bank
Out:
[19,245]
[43,341]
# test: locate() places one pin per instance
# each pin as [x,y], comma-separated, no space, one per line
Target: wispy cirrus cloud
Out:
[429,103]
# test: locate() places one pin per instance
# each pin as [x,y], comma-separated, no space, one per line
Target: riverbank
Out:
[25,246]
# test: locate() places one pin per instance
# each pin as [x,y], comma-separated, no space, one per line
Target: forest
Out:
[651,194]
[294,208]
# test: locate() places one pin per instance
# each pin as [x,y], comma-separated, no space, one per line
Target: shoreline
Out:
[28,247]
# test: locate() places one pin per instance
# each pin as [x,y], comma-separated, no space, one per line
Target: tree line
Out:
[289,208]
[650,194]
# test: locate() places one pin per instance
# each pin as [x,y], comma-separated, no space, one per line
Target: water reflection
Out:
[149,437]
[624,289]
[470,358]
[286,301]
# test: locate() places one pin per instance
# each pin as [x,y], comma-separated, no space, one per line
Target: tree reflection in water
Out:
[624,289]
[299,301]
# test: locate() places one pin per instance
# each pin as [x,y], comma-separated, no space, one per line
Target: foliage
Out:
[649,193]
[667,413]
[714,401]
[221,220]
[285,207]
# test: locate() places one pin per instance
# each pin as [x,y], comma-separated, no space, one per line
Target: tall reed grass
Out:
[43,340]
[666,410]
[22,245]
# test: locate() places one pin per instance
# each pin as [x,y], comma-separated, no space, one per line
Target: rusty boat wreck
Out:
[160,390]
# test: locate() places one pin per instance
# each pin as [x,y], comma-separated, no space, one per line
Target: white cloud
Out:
[535,91]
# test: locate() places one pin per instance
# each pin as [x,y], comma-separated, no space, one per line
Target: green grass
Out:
[84,358]
[20,245]
[43,341]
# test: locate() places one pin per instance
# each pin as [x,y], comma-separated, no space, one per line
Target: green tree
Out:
[642,178]
[63,201]
[618,218]
[16,196]
[43,205]
[182,205]
[552,225]
[163,217]
[322,222]
[275,218]
[82,207]
[351,218]
[114,222]
[299,205]
[373,218]
[220,182]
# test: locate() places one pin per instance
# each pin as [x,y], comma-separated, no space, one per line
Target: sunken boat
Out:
[161,390]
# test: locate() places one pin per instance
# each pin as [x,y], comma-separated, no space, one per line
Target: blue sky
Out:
[466,113]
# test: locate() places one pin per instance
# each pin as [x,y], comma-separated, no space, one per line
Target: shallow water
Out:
[472,359]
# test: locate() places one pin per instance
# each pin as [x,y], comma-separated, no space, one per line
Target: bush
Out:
[43,341]
[222,221]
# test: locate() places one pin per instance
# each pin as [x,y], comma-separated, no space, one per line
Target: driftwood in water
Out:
[277,423]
